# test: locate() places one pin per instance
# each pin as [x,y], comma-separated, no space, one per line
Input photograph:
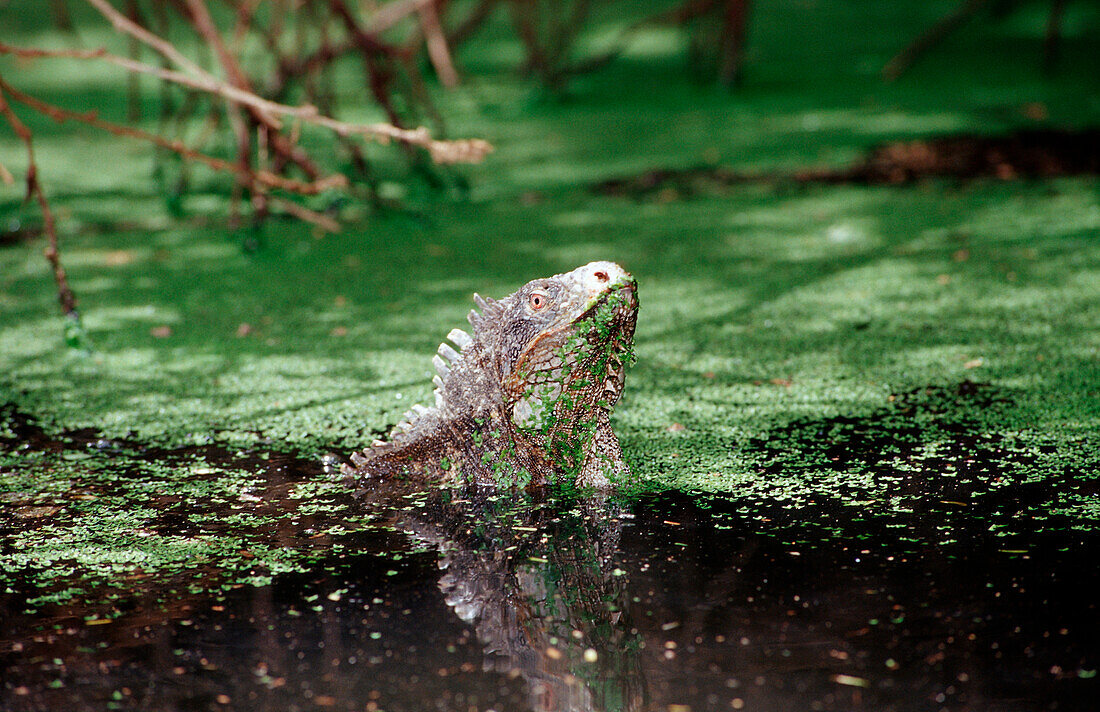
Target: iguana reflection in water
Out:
[539,584]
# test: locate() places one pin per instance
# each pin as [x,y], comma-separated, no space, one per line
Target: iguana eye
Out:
[538,301]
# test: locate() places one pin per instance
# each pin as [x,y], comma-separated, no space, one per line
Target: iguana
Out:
[527,398]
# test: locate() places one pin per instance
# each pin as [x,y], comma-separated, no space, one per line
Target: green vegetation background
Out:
[762,305]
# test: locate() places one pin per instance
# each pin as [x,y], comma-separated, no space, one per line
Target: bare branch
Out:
[123,24]
[391,13]
[436,41]
[204,23]
[902,61]
[258,178]
[34,189]
[285,149]
[205,83]
[310,216]
[452,151]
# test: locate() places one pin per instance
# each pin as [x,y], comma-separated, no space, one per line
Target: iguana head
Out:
[566,342]
[547,363]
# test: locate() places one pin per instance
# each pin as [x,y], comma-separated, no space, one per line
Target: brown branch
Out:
[471,150]
[391,13]
[436,42]
[310,216]
[237,82]
[256,178]
[5,175]
[123,24]
[204,24]
[473,21]
[452,151]
[205,82]
[298,63]
[375,53]
[930,38]
[34,189]
[35,53]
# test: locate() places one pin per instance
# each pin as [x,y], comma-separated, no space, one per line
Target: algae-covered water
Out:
[863,428]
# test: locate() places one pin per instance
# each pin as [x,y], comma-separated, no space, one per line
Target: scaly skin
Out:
[527,398]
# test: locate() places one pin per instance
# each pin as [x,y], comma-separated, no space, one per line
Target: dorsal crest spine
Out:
[446,358]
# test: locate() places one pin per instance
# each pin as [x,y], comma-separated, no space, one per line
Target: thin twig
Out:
[930,38]
[374,53]
[6,176]
[436,42]
[260,178]
[451,151]
[204,24]
[242,130]
[205,82]
[310,216]
[460,151]
[123,24]
[472,23]
[34,189]
[391,13]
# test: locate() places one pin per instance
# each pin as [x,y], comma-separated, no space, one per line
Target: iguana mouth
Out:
[625,294]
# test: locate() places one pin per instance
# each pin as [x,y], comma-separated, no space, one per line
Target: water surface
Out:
[476,601]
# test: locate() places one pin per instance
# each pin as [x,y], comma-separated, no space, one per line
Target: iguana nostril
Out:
[602,276]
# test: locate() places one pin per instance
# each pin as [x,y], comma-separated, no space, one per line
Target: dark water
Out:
[486,601]
[666,603]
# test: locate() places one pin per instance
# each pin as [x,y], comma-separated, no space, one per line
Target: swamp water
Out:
[552,601]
